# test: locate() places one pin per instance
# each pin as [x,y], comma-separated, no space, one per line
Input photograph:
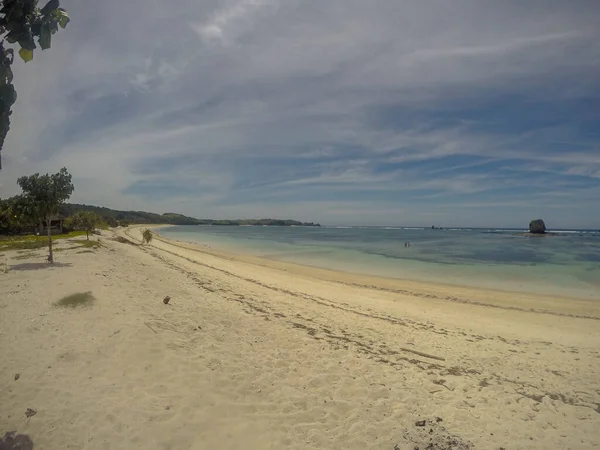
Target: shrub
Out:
[147,236]
[75,300]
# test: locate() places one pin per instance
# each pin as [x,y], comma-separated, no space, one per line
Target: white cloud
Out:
[226,23]
[212,94]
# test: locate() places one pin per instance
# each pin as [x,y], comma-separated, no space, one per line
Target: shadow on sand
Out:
[14,441]
[38,266]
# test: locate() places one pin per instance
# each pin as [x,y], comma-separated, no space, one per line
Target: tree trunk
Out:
[87,234]
[50,255]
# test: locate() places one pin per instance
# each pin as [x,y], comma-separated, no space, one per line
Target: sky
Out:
[379,112]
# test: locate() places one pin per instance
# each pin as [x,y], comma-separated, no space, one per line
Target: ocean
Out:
[567,264]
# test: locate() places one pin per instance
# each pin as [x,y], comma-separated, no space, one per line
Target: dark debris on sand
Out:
[123,240]
[430,434]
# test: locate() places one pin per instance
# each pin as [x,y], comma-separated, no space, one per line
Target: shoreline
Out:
[480,296]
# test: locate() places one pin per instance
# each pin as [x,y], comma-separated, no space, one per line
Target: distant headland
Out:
[115,217]
[263,222]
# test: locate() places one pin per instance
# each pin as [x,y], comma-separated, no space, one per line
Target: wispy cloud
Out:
[221,26]
[338,111]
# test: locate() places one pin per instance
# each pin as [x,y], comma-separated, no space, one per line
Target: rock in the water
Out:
[166,300]
[537,226]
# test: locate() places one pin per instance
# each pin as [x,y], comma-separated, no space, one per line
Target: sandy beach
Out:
[257,354]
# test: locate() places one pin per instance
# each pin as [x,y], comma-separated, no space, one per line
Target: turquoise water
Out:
[567,264]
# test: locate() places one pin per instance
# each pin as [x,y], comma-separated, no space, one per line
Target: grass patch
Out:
[88,244]
[26,255]
[123,240]
[32,242]
[75,300]
[28,244]
[80,244]
[70,234]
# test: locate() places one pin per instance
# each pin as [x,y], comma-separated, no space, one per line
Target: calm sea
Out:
[567,264]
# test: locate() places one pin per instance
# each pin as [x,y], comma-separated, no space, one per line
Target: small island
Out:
[537,228]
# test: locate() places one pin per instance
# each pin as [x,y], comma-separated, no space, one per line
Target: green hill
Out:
[115,217]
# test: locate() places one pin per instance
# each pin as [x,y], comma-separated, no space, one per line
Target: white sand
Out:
[255,354]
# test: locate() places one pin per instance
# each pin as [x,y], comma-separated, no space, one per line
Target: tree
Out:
[147,236]
[7,222]
[21,21]
[41,198]
[11,218]
[85,220]
[6,215]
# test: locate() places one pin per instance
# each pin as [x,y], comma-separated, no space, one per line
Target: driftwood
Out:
[146,323]
[426,355]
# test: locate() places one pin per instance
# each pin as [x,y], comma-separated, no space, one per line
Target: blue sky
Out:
[462,113]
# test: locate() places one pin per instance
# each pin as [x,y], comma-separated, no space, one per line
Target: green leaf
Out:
[13,37]
[26,40]
[51,6]
[28,6]
[26,55]
[45,36]
[14,25]
[8,94]
[64,19]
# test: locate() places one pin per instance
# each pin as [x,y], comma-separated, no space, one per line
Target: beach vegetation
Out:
[22,22]
[88,244]
[75,300]
[41,198]
[85,221]
[123,240]
[25,255]
[80,244]
[147,236]
[31,242]
[15,243]
[114,218]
